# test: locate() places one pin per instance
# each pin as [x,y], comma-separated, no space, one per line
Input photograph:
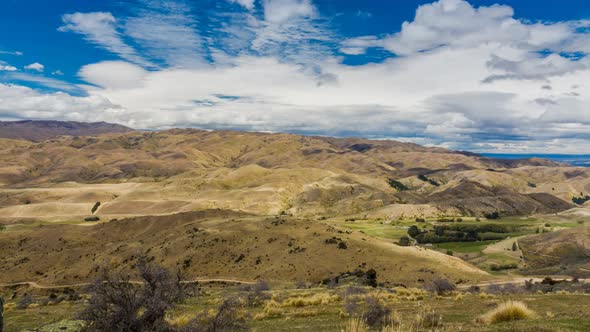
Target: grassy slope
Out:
[216,244]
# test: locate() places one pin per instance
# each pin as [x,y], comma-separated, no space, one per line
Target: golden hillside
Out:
[183,170]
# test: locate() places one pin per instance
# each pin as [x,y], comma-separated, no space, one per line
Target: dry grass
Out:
[507,312]
[427,320]
[356,325]
[486,296]
[315,299]
[181,320]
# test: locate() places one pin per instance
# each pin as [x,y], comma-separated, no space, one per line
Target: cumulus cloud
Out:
[113,74]
[25,103]
[459,76]
[6,67]
[457,23]
[36,66]
[533,68]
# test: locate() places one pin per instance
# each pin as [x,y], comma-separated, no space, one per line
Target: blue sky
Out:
[486,76]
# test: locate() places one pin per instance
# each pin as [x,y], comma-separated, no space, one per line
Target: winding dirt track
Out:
[34,284]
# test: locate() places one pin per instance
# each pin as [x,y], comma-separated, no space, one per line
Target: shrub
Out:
[117,304]
[25,302]
[440,286]
[95,207]
[397,185]
[428,318]
[372,278]
[300,284]
[581,200]
[514,246]
[501,267]
[376,313]
[424,178]
[227,318]
[413,231]
[257,293]
[2,227]
[493,215]
[352,305]
[404,241]
[507,312]
[420,220]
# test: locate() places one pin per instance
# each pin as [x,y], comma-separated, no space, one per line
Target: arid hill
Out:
[183,170]
[227,204]
[218,244]
[561,252]
[43,130]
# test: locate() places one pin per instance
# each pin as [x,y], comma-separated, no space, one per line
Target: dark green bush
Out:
[413,231]
[95,207]
[397,185]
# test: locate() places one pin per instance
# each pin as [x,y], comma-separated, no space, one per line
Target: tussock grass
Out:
[315,299]
[507,312]
[486,296]
[426,320]
[181,320]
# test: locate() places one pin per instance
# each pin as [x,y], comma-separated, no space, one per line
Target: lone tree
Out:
[413,231]
[404,241]
[120,304]
[514,246]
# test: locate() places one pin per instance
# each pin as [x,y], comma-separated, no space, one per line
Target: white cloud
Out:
[25,103]
[113,74]
[100,28]
[279,11]
[6,67]
[533,67]
[248,4]
[36,66]
[293,31]
[44,81]
[165,31]
[456,23]
[359,45]
[18,53]
[464,77]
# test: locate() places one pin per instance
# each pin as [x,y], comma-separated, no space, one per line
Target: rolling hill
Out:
[183,170]
[222,204]
[43,130]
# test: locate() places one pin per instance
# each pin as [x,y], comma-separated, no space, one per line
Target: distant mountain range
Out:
[43,130]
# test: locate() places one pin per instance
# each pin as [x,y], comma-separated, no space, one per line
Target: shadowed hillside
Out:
[43,130]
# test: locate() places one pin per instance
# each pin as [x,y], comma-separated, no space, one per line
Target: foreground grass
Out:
[321,309]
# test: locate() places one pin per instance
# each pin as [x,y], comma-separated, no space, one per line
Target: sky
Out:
[506,76]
